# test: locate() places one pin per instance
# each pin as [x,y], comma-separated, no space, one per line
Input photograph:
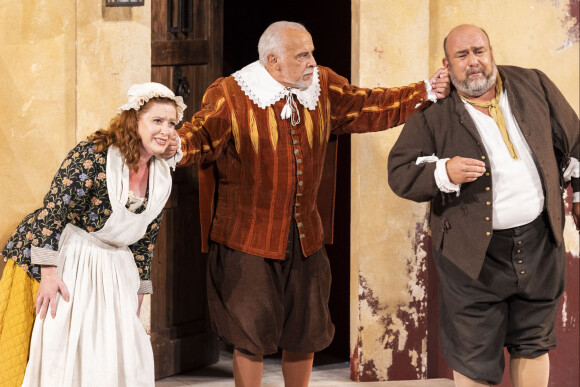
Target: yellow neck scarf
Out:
[496,113]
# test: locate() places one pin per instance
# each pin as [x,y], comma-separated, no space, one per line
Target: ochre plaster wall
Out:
[386,297]
[37,101]
[396,43]
[65,68]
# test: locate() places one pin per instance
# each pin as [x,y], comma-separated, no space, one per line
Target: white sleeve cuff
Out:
[426,159]
[576,197]
[42,256]
[573,169]
[430,94]
[145,287]
[442,179]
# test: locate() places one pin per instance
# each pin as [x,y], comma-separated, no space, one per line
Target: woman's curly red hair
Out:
[124,134]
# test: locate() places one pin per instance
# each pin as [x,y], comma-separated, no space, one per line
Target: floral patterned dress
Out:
[78,195]
[97,254]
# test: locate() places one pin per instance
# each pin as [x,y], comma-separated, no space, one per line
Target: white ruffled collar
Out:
[264,90]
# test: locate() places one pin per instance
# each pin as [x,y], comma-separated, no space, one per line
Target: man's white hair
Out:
[271,40]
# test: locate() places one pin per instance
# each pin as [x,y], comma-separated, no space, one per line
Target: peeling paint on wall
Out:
[567,352]
[402,332]
[566,328]
[354,358]
[570,20]
[564,313]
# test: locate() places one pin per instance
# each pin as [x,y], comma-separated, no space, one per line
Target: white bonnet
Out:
[140,93]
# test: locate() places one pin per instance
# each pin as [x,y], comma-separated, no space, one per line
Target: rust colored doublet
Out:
[268,171]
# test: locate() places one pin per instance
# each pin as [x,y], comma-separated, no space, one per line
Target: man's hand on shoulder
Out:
[440,83]
[464,170]
[172,147]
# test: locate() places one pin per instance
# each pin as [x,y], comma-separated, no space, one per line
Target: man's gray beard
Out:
[303,85]
[476,87]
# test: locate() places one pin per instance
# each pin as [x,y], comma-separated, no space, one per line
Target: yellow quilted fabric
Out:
[17,296]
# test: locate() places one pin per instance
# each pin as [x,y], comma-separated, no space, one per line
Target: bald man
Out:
[493,160]
[267,127]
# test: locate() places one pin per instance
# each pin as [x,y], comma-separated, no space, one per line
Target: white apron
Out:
[96,339]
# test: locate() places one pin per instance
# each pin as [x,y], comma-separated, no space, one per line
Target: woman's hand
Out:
[50,285]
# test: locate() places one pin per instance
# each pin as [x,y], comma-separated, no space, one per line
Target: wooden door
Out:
[186,56]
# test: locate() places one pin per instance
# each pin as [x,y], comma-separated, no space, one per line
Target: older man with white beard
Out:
[267,127]
[493,160]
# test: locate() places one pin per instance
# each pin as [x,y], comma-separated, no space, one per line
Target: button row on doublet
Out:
[300,182]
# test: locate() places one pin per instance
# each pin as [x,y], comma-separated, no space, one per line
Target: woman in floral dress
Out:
[91,244]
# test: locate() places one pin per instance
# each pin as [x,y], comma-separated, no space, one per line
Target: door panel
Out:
[186,54]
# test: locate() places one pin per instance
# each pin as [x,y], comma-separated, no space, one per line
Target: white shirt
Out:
[518,197]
